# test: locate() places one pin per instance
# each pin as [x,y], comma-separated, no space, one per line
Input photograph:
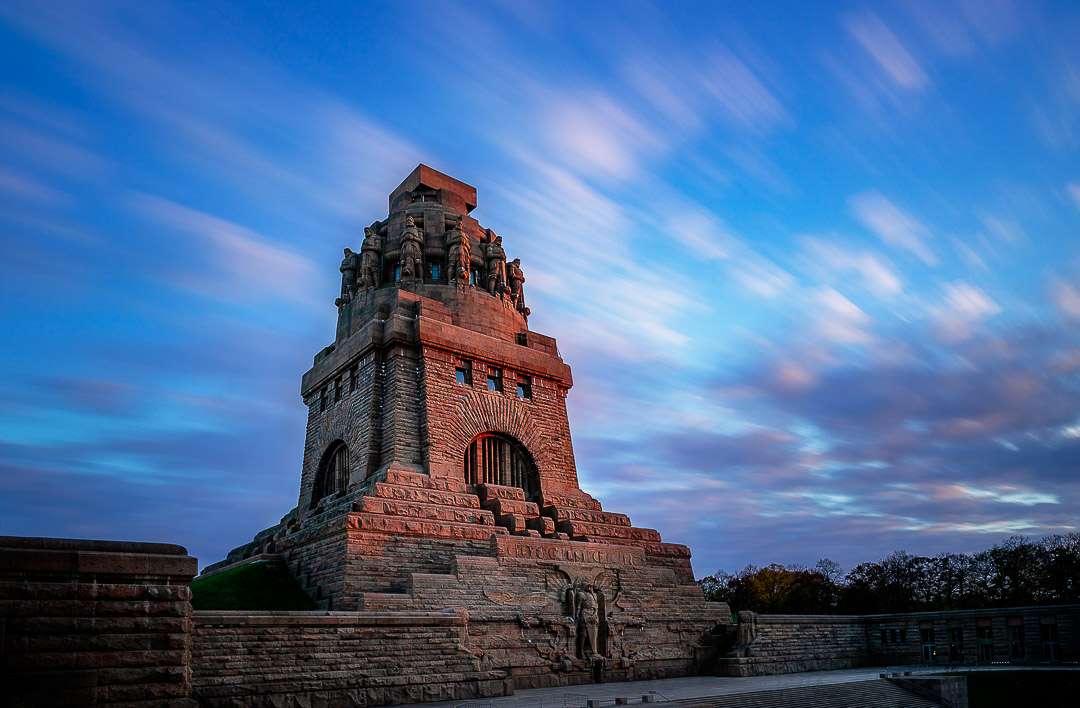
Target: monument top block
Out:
[454,192]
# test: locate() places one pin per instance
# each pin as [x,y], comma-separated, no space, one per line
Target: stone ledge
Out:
[235,618]
[75,544]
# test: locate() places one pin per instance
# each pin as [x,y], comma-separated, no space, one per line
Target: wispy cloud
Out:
[892,225]
[886,49]
[246,267]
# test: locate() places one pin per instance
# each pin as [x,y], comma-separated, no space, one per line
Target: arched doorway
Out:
[333,474]
[494,458]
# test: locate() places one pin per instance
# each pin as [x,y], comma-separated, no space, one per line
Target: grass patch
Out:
[262,585]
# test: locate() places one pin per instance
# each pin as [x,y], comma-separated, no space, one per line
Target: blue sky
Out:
[816,266]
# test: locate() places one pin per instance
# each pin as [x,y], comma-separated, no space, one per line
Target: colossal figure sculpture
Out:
[516,278]
[412,250]
[585,609]
[348,277]
[370,254]
[460,255]
[496,264]
[439,474]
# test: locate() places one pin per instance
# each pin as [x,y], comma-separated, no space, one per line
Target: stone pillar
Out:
[86,623]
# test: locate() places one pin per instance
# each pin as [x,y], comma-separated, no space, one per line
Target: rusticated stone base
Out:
[349,659]
[85,623]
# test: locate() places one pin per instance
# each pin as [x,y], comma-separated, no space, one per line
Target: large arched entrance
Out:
[494,458]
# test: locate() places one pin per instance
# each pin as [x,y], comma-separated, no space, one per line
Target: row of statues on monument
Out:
[363,271]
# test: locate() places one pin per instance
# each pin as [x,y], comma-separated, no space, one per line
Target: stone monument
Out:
[439,472]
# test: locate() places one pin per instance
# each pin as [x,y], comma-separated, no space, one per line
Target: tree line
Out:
[1018,571]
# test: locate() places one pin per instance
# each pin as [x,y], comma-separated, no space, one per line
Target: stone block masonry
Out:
[354,659]
[88,623]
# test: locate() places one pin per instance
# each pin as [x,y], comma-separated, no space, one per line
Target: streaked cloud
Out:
[892,225]
[886,49]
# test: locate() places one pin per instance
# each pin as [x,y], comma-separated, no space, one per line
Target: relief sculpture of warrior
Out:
[496,265]
[348,277]
[369,259]
[460,257]
[412,250]
[584,605]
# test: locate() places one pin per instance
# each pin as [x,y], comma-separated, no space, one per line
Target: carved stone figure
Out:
[495,257]
[412,250]
[369,259]
[585,607]
[746,633]
[348,277]
[460,257]
[516,278]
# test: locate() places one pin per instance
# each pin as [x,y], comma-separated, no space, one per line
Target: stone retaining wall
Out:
[94,623]
[355,659]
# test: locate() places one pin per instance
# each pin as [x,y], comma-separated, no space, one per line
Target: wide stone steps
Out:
[424,481]
[562,513]
[420,510]
[598,532]
[407,526]
[425,496]
[876,693]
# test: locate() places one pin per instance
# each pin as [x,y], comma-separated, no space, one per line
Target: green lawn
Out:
[262,585]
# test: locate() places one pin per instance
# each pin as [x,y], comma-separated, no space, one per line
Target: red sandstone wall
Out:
[86,623]
[369,658]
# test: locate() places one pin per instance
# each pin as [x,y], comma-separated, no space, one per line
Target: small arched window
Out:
[494,458]
[333,474]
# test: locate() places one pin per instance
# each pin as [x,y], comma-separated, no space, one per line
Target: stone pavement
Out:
[664,690]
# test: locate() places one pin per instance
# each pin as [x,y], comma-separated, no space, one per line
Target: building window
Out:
[463,372]
[322,400]
[1049,637]
[473,275]
[883,636]
[337,390]
[435,271]
[926,639]
[354,375]
[524,387]
[494,458]
[956,644]
[903,636]
[332,476]
[523,338]
[397,273]
[495,380]
[1016,638]
[985,635]
[892,635]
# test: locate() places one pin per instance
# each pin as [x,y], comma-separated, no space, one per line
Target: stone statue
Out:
[746,633]
[584,604]
[369,259]
[348,277]
[495,257]
[460,259]
[412,251]
[516,278]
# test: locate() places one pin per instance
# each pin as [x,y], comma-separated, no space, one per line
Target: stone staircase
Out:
[875,693]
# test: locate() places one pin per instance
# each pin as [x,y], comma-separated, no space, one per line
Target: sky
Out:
[816,266]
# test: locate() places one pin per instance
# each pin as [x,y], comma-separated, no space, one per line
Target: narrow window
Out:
[337,390]
[523,339]
[322,400]
[353,376]
[473,275]
[397,273]
[524,387]
[436,272]
[495,379]
[463,372]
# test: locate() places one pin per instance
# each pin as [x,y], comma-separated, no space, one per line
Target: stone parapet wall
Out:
[94,623]
[792,643]
[311,658]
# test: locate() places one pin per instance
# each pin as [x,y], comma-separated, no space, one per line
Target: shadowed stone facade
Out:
[439,471]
